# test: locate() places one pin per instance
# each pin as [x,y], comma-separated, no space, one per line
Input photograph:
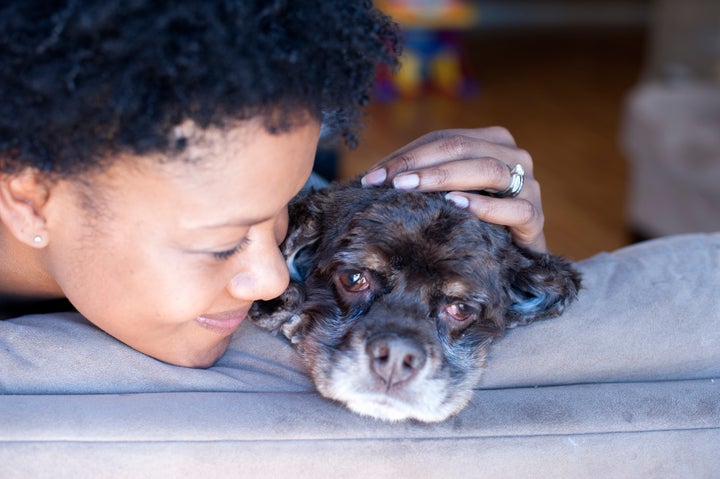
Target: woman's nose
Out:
[265,275]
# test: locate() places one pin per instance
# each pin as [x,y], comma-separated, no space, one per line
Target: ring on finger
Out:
[517,180]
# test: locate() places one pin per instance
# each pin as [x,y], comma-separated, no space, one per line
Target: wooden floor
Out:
[560,93]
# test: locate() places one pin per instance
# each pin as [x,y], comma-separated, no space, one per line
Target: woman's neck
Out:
[22,273]
[25,286]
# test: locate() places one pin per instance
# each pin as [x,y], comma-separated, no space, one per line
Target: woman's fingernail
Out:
[459,200]
[406,182]
[374,177]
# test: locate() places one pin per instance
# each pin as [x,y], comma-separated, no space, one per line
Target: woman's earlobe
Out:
[23,197]
[38,241]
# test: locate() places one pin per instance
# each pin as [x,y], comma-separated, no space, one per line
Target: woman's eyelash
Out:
[223,255]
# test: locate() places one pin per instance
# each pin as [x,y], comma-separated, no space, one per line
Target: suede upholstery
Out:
[625,384]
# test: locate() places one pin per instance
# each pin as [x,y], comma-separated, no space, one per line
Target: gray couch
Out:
[625,384]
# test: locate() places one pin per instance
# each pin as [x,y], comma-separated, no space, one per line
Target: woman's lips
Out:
[223,323]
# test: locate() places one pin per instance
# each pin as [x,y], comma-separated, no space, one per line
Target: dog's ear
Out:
[284,313]
[540,286]
[300,244]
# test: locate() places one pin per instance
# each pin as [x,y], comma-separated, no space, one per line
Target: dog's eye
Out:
[460,311]
[354,281]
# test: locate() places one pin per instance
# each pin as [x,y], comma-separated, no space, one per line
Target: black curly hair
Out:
[83,80]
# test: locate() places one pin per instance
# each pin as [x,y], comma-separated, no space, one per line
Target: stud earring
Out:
[37,239]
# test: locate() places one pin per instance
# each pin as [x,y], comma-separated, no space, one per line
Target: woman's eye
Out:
[460,311]
[354,281]
[223,255]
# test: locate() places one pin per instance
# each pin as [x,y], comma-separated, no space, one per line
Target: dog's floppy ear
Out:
[540,286]
[303,233]
[284,313]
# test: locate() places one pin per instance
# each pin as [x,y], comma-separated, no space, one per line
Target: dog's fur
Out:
[396,296]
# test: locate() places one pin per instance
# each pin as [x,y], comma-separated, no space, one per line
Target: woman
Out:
[148,151]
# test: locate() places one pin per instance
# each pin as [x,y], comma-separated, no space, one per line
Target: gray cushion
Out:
[623,385]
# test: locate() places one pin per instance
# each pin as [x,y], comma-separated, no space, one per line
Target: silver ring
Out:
[517,180]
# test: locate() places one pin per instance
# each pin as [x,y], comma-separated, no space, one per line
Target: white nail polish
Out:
[459,200]
[406,182]
[374,177]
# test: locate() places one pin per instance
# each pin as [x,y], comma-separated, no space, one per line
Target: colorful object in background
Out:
[432,58]
[431,14]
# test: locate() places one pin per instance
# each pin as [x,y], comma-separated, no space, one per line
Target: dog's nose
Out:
[394,358]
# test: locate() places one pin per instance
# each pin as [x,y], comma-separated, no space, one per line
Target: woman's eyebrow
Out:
[234,223]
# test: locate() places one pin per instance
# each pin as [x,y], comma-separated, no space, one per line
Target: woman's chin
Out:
[199,359]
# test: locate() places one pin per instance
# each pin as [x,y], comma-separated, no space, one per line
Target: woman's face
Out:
[171,254]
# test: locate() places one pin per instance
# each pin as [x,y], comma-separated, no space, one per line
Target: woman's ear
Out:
[23,197]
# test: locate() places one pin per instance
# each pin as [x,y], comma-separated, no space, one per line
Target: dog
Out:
[396,296]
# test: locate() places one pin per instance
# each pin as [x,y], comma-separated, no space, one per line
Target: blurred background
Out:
[618,102]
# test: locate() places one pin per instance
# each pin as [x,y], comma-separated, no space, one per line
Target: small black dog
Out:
[396,296]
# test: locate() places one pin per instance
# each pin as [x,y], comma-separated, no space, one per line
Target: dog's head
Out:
[396,297]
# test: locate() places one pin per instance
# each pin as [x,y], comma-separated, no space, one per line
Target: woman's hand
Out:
[465,160]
